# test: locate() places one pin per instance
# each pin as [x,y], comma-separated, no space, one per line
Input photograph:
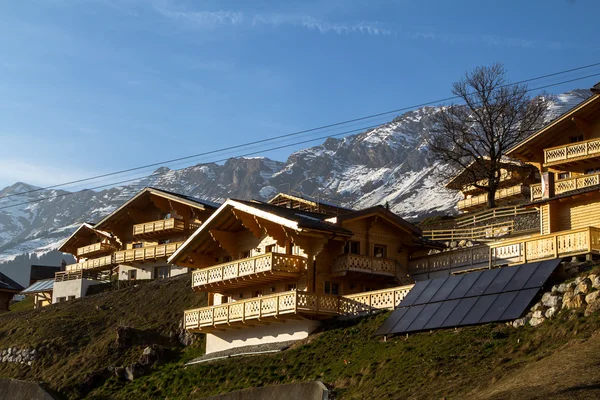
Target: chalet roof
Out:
[8,285]
[46,285]
[460,180]
[309,201]
[537,139]
[287,217]
[188,200]
[382,212]
[86,226]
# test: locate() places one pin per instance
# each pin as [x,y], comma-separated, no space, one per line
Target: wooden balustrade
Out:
[366,302]
[94,249]
[572,152]
[73,275]
[555,245]
[501,194]
[94,263]
[366,264]
[486,232]
[470,256]
[160,226]
[270,266]
[568,185]
[146,253]
[536,191]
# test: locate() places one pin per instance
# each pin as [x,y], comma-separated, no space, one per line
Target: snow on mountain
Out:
[387,164]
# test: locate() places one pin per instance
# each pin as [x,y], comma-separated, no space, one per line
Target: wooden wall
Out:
[576,213]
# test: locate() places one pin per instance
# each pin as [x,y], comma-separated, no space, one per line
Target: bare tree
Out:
[495,116]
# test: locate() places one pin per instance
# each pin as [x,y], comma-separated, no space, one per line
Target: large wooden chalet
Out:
[134,241]
[266,263]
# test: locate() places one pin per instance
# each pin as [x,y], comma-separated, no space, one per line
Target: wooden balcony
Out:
[367,302]
[155,228]
[349,263]
[568,185]
[467,257]
[480,201]
[542,247]
[249,271]
[572,152]
[94,249]
[258,310]
[480,233]
[146,253]
[100,263]
[74,275]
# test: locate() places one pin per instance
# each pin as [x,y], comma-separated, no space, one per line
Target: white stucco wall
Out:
[76,287]
[145,270]
[259,334]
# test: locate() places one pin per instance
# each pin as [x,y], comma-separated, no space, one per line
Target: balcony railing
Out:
[569,184]
[92,249]
[536,191]
[257,269]
[572,152]
[365,264]
[467,257]
[482,233]
[73,275]
[274,306]
[384,299]
[95,263]
[555,245]
[157,227]
[146,253]
[501,194]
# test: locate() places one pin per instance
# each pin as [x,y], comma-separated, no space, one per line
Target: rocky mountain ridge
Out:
[387,164]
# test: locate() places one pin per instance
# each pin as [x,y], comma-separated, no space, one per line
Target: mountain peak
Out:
[17,188]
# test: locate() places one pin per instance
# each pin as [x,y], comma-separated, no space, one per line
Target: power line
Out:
[261,151]
[300,132]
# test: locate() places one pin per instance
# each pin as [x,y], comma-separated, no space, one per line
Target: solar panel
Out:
[499,294]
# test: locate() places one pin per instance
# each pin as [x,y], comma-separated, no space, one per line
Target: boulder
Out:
[583,287]
[537,307]
[517,323]
[119,372]
[591,297]
[551,312]
[593,306]
[551,300]
[565,287]
[574,301]
[134,371]
[536,321]
[595,279]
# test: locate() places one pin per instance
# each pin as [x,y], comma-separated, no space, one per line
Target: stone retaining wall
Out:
[20,356]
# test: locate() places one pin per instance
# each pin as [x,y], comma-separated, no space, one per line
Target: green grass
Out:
[24,305]
[454,363]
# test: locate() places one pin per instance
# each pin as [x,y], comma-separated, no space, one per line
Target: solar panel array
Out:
[495,295]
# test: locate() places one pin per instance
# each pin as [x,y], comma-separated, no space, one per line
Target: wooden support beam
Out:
[249,222]
[276,231]
[227,240]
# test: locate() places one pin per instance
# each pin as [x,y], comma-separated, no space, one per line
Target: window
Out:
[379,251]
[564,175]
[71,298]
[352,247]
[245,254]
[137,245]
[166,215]
[592,171]
[290,286]
[575,139]
[161,272]
[132,274]
[257,293]
[332,288]
[270,248]
[164,241]
[226,259]
[61,299]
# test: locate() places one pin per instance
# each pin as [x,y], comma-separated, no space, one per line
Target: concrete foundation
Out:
[75,288]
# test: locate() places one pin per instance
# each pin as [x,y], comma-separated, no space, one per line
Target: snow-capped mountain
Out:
[388,164]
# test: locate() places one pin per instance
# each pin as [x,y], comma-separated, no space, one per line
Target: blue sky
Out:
[94,86]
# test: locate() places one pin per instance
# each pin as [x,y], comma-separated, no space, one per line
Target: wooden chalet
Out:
[304,203]
[515,180]
[8,288]
[134,241]
[263,263]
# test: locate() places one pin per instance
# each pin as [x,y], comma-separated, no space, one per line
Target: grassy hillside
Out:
[557,360]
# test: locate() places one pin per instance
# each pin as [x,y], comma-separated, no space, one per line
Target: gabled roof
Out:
[460,180]
[581,108]
[318,205]
[381,212]
[297,220]
[86,226]
[8,285]
[188,200]
[46,285]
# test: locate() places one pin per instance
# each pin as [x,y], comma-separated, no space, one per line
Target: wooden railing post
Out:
[555,246]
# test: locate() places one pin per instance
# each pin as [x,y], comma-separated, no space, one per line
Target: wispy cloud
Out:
[204,19]
[320,25]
